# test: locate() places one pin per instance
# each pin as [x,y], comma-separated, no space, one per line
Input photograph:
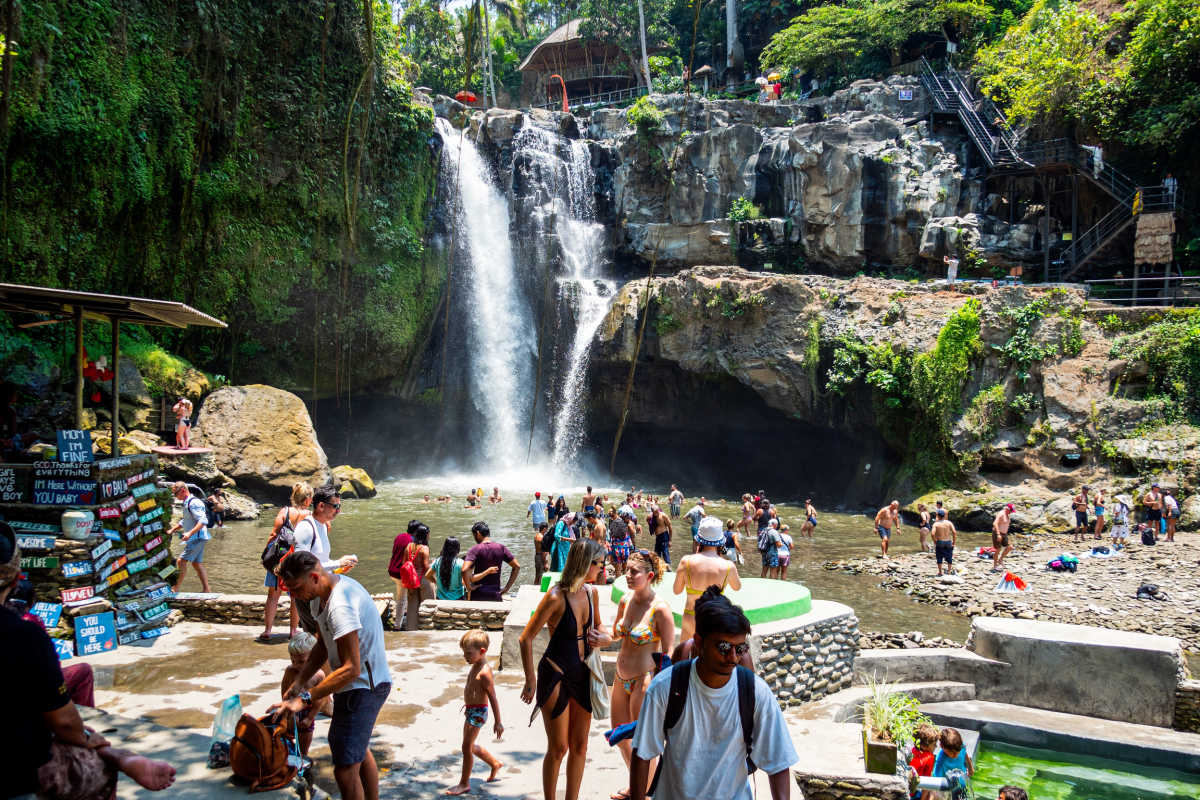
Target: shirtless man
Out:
[1000,545]
[945,536]
[749,512]
[589,503]
[1154,503]
[810,519]
[495,498]
[887,521]
[426,500]
[1080,503]
[924,526]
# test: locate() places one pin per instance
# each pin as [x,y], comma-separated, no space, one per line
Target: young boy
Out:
[481,687]
[951,757]
[298,649]
[922,755]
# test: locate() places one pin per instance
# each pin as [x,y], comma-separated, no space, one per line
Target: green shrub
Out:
[741,210]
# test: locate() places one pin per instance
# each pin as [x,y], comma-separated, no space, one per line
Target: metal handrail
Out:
[1096,237]
[598,99]
[1171,290]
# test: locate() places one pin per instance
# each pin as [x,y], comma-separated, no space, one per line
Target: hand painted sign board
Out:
[77,569]
[76,595]
[133,480]
[154,633]
[54,469]
[101,549]
[75,447]
[138,566]
[63,492]
[113,488]
[130,637]
[108,512]
[64,648]
[153,543]
[156,612]
[117,577]
[126,503]
[114,463]
[145,489]
[95,633]
[35,527]
[39,562]
[14,485]
[48,613]
[167,571]
[34,541]
[146,505]
[149,515]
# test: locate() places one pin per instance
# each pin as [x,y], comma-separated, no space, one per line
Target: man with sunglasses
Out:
[312,532]
[711,720]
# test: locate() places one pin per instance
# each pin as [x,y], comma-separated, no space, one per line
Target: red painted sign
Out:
[74,595]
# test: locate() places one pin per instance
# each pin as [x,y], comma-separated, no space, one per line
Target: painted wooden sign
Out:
[63,491]
[134,532]
[95,633]
[77,569]
[155,612]
[108,512]
[158,557]
[126,503]
[144,489]
[167,571]
[154,633]
[149,515]
[130,519]
[34,541]
[134,480]
[146,505]
[39,562]
[113,488]
[64,648]
[117,577]
[14,485]
[114,463]
[75,447]
[138,566]
[130,637]
[111,535]
[152,527]
[35,527]
[48,613]
[76,595]
[101,549]
[153,543]
[54,469]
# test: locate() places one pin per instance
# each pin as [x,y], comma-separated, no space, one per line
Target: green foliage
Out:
[616,22]
[891,715]
[429,38]
[646,117]
[664,318]
[812,349]
[741,210]
[1171,350]
[986,412]
[1022,349]
[264,164]
[854,38]
[1023,404]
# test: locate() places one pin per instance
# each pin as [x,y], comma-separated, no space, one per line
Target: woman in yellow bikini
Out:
[703,569]
[644,626]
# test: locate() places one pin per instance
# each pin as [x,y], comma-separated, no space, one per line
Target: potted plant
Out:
[890,722]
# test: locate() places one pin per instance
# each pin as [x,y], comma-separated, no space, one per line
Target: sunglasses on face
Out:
[335,506]
[725,648]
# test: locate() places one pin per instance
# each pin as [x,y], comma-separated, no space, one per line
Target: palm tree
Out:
[514,12]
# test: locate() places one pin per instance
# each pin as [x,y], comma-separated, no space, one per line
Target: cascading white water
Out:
[500,339]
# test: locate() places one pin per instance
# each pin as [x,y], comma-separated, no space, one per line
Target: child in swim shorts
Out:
[478,692]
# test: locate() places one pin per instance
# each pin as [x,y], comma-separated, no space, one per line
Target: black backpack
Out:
[681,674]
[281,544]
[1148,537]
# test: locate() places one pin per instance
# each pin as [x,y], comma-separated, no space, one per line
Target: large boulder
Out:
[360,482]
[263,438]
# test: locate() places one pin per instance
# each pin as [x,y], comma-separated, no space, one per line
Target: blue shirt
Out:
[455,590]
[193,512]
[538,509]
[943,763]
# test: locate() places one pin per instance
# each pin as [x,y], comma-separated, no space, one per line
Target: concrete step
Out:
[844,706]
[926,664]
[1071,733]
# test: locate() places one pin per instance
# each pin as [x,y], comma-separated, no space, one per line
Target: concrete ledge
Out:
[924,664]
[1080,669]
[1071,733]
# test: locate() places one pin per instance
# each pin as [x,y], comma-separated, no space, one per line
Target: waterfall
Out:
[547,224]
[499,321]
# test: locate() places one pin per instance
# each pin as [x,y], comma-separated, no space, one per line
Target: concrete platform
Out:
[1078,669]
[1072,733]
[175,452]
[845,706]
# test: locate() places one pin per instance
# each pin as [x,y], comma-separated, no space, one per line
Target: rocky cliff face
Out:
[842,184]
[829,367]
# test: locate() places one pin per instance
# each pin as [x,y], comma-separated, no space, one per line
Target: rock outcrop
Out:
[262,438]
[1027,431]
[353,482]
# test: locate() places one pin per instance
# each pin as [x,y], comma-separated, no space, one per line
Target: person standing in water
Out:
[183,423]
[886,522]
[645,626]
[676,501]
[810,519]
[588,502]
[561,686]
[924,526]
[706,568]
[945,536]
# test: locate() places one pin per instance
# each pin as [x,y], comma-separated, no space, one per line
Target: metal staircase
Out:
[1001,148]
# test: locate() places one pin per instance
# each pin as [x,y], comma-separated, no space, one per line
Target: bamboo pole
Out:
[78,314]
[116,392]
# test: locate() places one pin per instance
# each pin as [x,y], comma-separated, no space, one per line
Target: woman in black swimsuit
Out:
[562,682]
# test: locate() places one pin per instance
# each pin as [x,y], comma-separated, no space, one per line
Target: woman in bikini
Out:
[747,515]
[645,626]
[706,568]
[924,528]
[562,682]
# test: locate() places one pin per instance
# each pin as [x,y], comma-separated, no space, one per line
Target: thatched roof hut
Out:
[587,67]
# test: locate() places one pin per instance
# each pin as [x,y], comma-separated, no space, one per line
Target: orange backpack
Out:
[259,751]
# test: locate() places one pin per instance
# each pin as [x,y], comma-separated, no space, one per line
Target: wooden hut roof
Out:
[564,44]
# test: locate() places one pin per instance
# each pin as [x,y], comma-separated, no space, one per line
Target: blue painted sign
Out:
[149,515]
[34,541]
[77,569]
[35,527]
[95,633]
[142,491]
[156,612]
[14,485]
[74,447]
[48,613]
[64,648]
[154,633]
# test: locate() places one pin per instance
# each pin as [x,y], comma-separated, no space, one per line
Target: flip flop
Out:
[263,638]
[621,795]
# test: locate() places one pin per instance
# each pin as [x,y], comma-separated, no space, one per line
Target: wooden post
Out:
[1046,232]
[78,314]
[116,392]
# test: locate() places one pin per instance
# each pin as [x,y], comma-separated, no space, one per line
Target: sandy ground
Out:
[180,680]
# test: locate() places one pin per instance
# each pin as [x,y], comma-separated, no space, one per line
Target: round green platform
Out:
[762,599]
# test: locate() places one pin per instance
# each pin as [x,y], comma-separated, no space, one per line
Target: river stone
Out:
[263,438]
[360,481]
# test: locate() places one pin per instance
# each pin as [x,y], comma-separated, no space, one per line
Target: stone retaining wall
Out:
[812,659]
[1187,706]
[822,787]
[446,615]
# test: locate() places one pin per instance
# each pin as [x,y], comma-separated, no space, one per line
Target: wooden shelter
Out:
[60,305]
[586,67]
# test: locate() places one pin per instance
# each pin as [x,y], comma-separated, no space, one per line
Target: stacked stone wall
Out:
[810,661]
[1187,706]
[860,787]
[444,615]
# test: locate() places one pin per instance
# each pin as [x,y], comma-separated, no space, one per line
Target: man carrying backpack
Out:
[712,721]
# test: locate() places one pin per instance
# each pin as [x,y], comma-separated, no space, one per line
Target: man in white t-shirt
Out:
[951,263]
[351,638]
[312,532]
[705,754]
[676,500]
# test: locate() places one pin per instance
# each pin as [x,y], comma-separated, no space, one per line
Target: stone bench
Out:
[462,615]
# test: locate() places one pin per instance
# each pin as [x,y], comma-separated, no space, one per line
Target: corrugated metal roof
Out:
[139,310]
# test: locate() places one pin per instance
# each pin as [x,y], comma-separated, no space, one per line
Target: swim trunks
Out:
[476,715]
[884,533]
[999,539]
[770,558]
[193,549]
[1154,514]
[1081,518]
[943,551]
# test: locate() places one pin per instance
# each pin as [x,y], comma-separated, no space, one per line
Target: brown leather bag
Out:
[259,751]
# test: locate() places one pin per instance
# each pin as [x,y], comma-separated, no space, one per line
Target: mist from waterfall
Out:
[500,332]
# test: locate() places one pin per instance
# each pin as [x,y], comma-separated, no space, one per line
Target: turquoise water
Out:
[1049,775]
